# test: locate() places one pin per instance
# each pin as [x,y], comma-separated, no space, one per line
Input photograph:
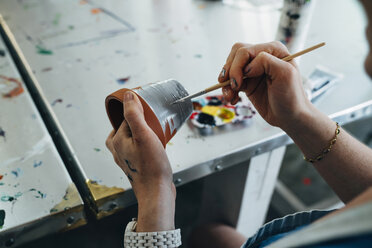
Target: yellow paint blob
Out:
[226,115]
[211,110]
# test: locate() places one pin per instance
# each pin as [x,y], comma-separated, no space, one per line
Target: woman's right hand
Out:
[273,86]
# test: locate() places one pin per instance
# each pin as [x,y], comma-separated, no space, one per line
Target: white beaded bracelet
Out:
[163,239]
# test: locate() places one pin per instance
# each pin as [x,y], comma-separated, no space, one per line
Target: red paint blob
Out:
[306,181]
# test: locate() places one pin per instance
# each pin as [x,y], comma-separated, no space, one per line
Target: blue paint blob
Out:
[37,164]
[122,80]
[17,172]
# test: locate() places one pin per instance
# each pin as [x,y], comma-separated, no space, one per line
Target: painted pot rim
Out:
[115,112]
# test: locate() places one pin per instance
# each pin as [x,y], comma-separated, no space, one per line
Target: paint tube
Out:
[320,81]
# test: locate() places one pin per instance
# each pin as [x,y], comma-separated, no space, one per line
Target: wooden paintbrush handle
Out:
[217,86]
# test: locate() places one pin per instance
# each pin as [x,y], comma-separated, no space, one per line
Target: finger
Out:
[228,93]
[134,116]
[275,48]
[250,85]
[109,139]
[235,98]
[224,74]
[124,131]
[242,58]
[269,65]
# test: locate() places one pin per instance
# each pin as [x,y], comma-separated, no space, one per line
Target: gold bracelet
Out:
[327,149]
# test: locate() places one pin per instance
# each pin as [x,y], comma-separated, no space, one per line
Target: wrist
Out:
[311,131]
[156,210]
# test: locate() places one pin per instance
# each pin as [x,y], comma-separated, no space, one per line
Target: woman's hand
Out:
[140,154]
[273,86]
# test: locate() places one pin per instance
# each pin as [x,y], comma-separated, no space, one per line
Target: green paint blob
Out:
[53,210]
[97,149]
[56,19]
[44,51]
[2,218]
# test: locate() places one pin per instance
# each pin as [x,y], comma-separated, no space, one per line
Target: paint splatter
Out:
[6,198]
[2,218]
[69,105]
[37,164]
[15,91]
[59,100]
[82,2]
[71,27]
[17,172]
[97,149]
[56,19]
[95,11]
[198,56]
[2,133]
[46,69]
[39,193]
[43,50]
[201,6]
[2,53]
[306,181]
[1,176]
[122,80]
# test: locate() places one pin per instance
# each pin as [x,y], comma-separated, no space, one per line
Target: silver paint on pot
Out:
[160,96]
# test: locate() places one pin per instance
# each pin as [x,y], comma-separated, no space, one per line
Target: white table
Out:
[37,195]
[89,45]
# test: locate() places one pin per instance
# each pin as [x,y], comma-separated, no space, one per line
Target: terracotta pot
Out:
[163,117]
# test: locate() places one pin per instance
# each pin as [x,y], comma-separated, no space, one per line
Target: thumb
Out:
[133,114]
[269,65]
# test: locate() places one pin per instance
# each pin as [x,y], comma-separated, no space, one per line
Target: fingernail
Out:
[224,92]
[222,73]
[128,96]
[233,83]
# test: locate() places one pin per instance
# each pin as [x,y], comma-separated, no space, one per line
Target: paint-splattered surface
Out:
[81,51]
[33,179]
[92,48]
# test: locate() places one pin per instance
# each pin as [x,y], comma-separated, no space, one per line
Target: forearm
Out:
[347,168]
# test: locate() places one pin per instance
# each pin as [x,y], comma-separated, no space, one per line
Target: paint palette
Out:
[212,114]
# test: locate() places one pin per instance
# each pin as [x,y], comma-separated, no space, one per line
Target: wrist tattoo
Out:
[129,166]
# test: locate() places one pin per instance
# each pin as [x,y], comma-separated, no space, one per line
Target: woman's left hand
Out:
[139,153]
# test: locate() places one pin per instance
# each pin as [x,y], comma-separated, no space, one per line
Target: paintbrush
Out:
[226,83]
